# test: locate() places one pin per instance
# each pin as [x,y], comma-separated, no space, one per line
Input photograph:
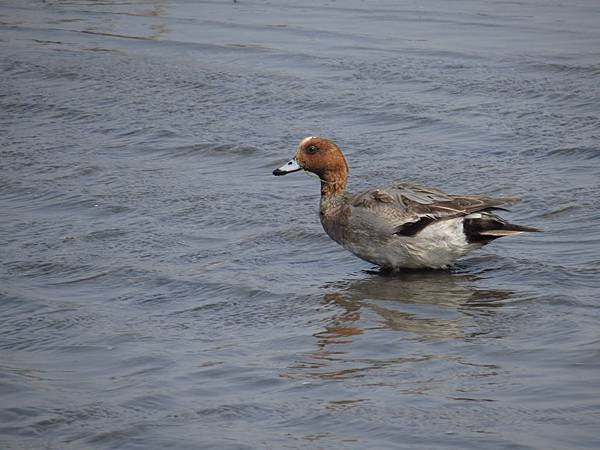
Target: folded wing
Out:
[411,207]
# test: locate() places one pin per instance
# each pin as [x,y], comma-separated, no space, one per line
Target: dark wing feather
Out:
[412,228]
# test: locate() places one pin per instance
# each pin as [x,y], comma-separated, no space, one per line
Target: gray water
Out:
[160,289]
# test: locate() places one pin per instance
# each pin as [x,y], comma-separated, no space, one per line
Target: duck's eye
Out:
[312,149]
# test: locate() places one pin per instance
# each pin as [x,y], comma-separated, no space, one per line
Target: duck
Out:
[402,225]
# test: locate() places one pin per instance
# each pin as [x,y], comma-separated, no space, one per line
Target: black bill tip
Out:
[291,166]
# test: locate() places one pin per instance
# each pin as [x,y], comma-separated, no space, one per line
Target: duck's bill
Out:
[289,167]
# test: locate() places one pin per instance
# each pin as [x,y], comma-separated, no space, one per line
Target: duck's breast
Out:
[336,223]
[358,230]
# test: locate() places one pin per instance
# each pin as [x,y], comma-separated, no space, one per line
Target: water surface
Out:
[159,288]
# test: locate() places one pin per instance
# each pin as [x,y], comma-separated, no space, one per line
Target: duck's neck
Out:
[333,183]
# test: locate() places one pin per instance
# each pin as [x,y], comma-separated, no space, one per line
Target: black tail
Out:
[489,226]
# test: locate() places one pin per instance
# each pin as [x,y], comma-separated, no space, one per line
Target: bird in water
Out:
[401,225]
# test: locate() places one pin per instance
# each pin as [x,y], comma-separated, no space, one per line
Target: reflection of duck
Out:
[385,295]
[385,326]
[427,305]
[420,286]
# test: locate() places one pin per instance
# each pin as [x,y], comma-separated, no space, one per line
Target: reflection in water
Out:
[388,295]
[426,306]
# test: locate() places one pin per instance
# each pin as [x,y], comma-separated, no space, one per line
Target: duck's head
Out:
[321,157]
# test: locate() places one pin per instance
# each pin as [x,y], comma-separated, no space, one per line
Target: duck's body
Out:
[402,225]
[410,226]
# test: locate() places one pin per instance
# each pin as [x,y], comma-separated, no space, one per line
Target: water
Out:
[159,288]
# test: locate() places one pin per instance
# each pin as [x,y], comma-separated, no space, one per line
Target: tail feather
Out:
[486,227]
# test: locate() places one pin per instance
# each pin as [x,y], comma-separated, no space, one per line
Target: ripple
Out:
[159,288]
[585,153]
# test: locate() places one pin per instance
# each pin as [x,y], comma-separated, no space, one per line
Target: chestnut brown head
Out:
[319,156]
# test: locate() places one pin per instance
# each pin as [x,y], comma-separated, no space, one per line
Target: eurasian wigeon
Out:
[402,225]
